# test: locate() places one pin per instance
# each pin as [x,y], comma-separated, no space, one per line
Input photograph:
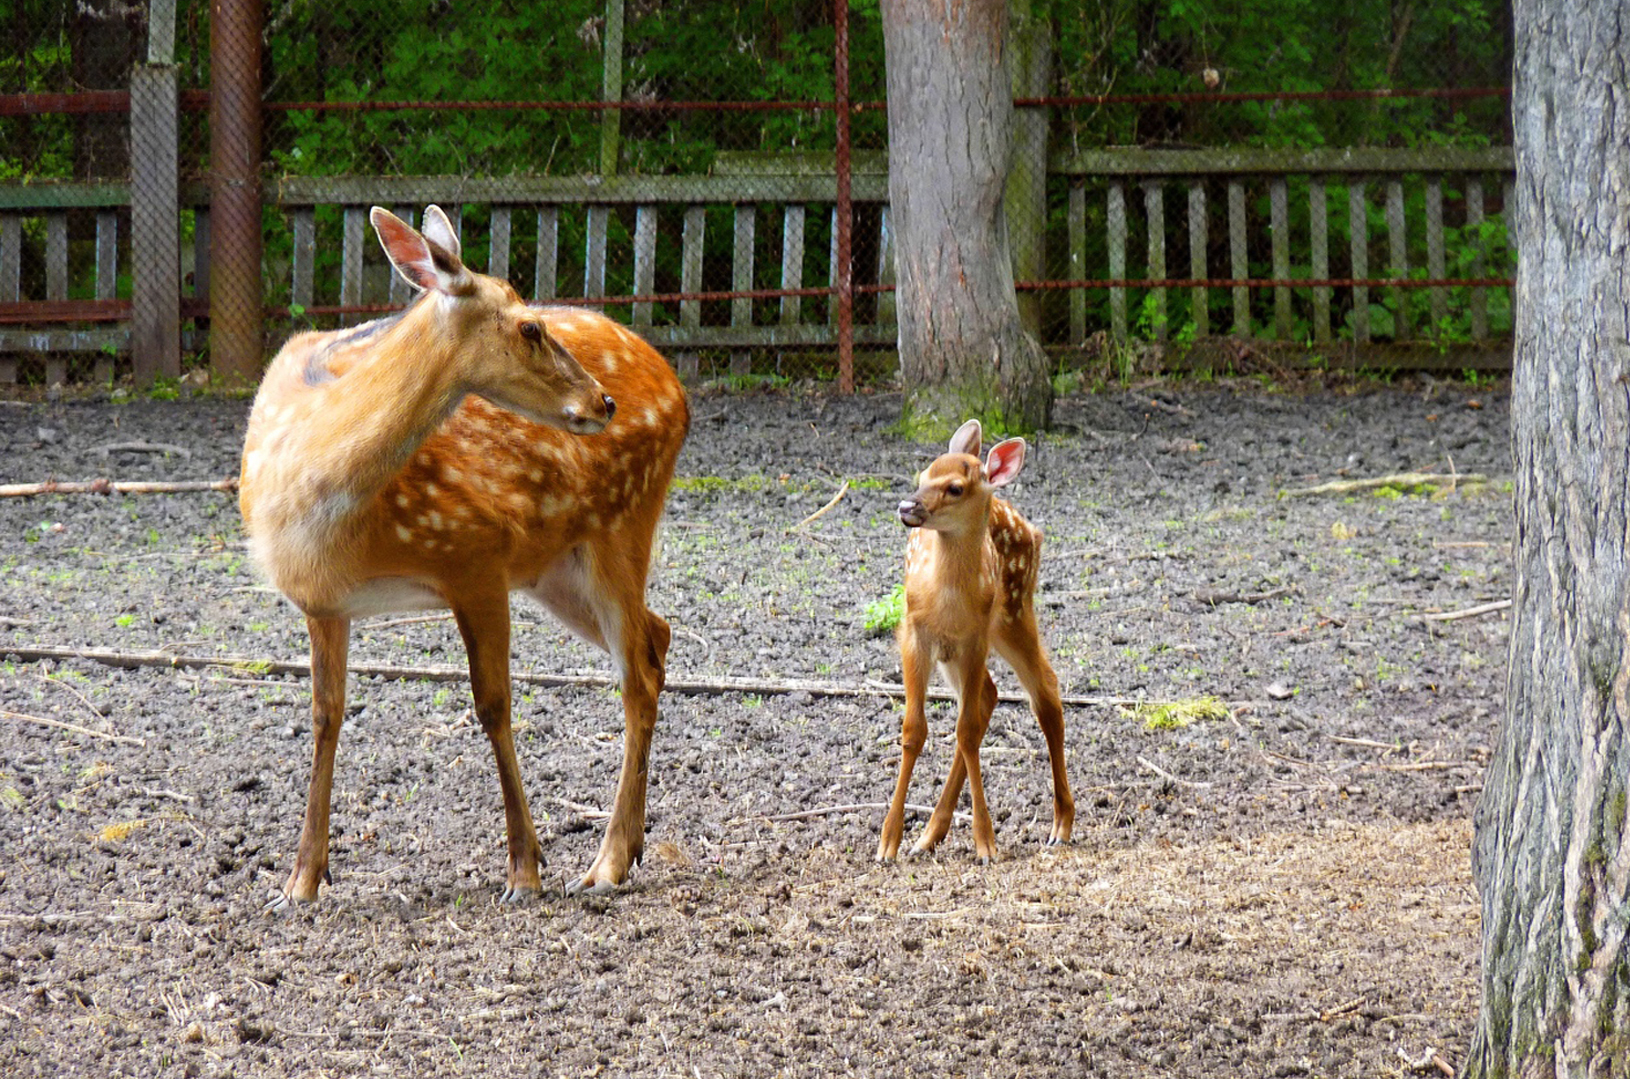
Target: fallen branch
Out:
[824,509]
[1168,777]
[124,739]
[1397,479]
[1213,598]
[1469,612]
[302,669]
[142,447]
[106,486]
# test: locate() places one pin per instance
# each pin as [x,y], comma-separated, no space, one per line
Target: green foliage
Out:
[1176,714]
[885,614]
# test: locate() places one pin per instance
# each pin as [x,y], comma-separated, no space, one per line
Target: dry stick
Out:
[1397,479]
[460,674]
[1168,777]
[1213,598]
[106,486]
[824,509]
[121,738]
[142,447]
[1469,612]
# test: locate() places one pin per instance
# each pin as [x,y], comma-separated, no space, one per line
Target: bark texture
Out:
[1552,855]
[963,350]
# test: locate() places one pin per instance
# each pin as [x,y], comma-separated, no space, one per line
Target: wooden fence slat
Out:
[107,277]
[886,311]
[1434,253]
[832,271]
[11,261]
[498,253]
[1078,262]
[594,255]
[741,280]
[690,265]
[1238,263]
[548,258]
[1358,224]
[1398,261]
[1154,209]
[792,261]
[1279,227]
[645,260]
[1474,230]
[690,280]
[1199,297]
[1318,220]
[56,286]
[351,257]
[303,258]
[1117,260]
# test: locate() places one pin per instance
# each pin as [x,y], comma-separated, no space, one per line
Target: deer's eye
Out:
[531,331]
[954,490]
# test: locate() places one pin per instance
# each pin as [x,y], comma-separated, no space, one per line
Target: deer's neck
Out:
[345,414]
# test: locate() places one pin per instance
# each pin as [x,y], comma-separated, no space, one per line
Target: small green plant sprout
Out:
[884,614]
[1173,715]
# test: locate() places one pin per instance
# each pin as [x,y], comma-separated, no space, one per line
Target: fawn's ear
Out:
[967,438]
[1005,461]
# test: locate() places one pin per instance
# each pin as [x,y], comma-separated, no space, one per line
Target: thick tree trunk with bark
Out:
[963,349]
[1552,854]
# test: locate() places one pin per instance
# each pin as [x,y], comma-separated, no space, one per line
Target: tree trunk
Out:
[963,350]
[1552,854]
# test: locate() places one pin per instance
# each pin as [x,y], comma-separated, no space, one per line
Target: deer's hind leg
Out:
[1019,643]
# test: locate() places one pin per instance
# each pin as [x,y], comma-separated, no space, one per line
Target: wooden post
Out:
[236,316]
[611,89]
[1030,62]
[155,206]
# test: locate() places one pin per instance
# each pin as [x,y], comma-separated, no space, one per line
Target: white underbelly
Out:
[389,595]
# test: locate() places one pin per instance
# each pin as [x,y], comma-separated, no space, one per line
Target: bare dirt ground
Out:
[1281,888]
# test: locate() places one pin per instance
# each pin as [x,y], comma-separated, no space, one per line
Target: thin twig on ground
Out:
[123,739]
[1468,612]
[141,447]
[1168,777]
[1213,598]
[106,486]
[824,509]
[1396,479]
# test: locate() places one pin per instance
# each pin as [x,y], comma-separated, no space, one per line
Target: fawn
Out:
[469,446]
[971,568]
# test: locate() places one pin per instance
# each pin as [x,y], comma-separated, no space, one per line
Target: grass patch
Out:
[884,614]
[1174,715]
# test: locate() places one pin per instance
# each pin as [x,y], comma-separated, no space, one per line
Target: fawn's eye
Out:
[531,331]
[954,490]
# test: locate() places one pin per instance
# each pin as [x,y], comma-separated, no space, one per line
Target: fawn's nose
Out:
[912,513]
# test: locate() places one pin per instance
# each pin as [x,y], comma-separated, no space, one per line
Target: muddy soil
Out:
[1279,887]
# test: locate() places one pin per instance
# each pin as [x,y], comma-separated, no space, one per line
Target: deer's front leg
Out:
[483,621]
[330,644]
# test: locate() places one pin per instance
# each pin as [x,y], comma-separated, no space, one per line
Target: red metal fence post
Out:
[845,284]
[236,334]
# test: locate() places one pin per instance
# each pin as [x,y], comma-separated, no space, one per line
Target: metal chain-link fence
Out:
[1166,199]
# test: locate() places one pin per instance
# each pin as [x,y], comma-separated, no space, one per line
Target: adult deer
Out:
[971,568]
[470,446]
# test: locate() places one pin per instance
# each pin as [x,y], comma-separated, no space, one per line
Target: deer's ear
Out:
[438,229]
[967,438]
[423,262]
[1006,460]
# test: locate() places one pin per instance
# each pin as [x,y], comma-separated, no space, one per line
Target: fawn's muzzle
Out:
[912,513]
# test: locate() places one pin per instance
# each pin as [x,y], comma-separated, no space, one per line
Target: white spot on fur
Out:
[403,533]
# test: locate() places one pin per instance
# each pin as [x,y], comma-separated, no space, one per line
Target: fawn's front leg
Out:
[914,665]
[976,700]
